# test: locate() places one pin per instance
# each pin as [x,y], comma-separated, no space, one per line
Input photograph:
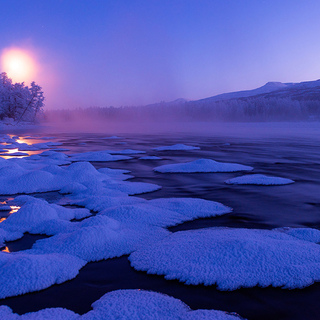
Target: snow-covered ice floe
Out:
[202,165]
[233,258]
[22,272]
[259,179]
[97,156]
[35,213]
[100,237]
[14,178]
[166,212]
[178,146]
[150,158]
[127,304]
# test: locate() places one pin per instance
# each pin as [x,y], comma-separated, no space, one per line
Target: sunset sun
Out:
[18,64]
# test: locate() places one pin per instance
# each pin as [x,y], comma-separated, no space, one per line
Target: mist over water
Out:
[74,122]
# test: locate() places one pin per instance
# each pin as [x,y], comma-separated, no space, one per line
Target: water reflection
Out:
[14,209]
[22,140]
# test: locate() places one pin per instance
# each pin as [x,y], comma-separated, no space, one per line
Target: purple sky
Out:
[102,53]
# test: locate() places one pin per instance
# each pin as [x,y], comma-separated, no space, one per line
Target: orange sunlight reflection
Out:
[11,151]
[18,64]
[22,140]
[14,209]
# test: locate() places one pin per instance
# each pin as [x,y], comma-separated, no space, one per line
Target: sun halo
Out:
[18,64]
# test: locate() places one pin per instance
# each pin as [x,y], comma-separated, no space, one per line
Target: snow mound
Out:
[45,314]
[140,304]
[98,203]
[178,146]
[97,156]
[232,258]
[191,208]
[259,179]
[132,188]
[27,271]
[100,237]
[34,212]
[202,165]
[144,214]
[28,178]
[126,304]
[165,212]
[150,158]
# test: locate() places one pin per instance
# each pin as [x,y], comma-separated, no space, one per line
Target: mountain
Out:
[268,87]
[302,91]
[309,90]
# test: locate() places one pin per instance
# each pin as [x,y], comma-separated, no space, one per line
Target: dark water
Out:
[294,156]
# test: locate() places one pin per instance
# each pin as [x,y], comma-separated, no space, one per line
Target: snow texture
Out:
[22,272]
[34,212]
[174,147]
[26,177]
[191,208]
[45,314]
[259,179]
[100,237]
[307,234]
[143,305]
[166,212]
[126,304]
[232,258]
[101,202]
[202,165]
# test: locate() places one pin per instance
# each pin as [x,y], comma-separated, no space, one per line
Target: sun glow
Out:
[19,65]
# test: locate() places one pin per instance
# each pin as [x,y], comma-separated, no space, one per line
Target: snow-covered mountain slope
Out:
[268,87]
[309,90]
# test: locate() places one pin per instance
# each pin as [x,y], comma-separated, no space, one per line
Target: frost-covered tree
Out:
[18,101]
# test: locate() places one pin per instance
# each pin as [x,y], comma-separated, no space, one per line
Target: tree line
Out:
[244,109]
